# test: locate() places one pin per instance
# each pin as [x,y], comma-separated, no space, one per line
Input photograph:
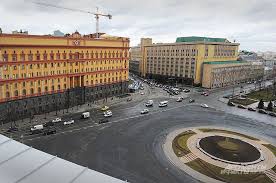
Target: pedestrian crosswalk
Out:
[271,174]
[188,157]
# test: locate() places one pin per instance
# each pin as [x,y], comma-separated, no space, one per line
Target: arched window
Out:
[24,92]
[7,94]
[39,90]
[31,91]
[46,89]
[16,93]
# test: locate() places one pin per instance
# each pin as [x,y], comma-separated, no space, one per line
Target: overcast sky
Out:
[251,22]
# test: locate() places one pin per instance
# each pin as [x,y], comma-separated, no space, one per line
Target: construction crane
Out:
[97,14]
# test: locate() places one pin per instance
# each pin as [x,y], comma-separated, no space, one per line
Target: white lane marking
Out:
[119,120]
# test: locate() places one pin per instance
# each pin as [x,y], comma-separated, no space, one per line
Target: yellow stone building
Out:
[227,73]
[60,71]
[183,60]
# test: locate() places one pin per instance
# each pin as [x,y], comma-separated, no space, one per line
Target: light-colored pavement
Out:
[268,163]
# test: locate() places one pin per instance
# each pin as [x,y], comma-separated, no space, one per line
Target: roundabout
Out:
[219,155]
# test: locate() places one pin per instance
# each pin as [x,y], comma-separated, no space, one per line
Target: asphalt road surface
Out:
[130,146]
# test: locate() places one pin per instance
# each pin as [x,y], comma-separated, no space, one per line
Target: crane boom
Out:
[97,14]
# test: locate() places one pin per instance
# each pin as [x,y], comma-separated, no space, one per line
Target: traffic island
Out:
[220,155]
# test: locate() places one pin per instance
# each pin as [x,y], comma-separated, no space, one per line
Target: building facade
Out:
[39,74]
[227,73]
[183,60]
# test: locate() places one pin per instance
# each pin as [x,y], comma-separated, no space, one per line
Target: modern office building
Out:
[39,74]
[183,60]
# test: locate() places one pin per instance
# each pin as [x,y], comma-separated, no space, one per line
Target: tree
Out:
[270,106]
[261,104]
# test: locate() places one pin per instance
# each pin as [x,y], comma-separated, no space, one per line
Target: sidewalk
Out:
[40,119]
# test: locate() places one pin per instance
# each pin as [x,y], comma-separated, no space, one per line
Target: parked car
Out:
[191,100]
[231,104]
[50,131]
[142,93]
[129,99]
[85,115]
[272,114]
[179,99]
[69,122]
[149,103]
[56,120]
[104,120]
[144,111]
[241,106]
[107,114]
[251,109]
[204,105]
[50,123]
[104,108]
[262,111]
[186,90]
[12,129]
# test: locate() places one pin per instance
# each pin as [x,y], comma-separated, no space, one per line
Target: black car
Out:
[241,107]
[50,123]
[191,100]
[104,120]
[187,90]
[251,109]
[272,114]
[12,129]
[231,104]
[262,111]
[50,131]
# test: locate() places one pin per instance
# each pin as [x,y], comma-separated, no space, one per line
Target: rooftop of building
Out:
[225,62]
[76,34]
[201,39]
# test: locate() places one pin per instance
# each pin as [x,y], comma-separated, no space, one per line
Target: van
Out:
[163,104]
[85,115]
[149,103]
[37,127]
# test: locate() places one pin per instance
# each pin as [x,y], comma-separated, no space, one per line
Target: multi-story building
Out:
[226,73]
[39,74]
[183,60]
[136,57]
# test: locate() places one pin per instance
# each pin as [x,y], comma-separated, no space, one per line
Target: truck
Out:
[37,127]
[85,115]
[149,103]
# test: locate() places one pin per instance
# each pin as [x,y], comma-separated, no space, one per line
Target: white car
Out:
[179,99]
[56,120]
[204,105]
[144,111]
[142,93]
[163,104]
[107,114]
[69,122]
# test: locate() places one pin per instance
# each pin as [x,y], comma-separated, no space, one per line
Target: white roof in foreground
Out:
[20,163]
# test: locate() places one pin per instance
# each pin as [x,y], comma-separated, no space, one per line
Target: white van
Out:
[85,115]
[149,103]
[37,127]
[163,104]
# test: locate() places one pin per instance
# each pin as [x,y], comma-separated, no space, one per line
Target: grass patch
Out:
[179,143]
[271,148]
[228,132]
[242,101]
[265,94]
[219,174]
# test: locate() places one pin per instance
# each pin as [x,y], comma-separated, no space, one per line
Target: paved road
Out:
[130,149]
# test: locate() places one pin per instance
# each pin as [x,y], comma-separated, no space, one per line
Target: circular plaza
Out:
[220,155]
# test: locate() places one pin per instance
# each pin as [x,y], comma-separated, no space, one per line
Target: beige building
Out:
[182,60]
[226,73]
